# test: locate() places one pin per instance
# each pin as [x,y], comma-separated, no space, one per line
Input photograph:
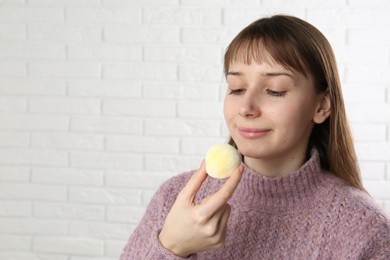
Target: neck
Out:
[275,167]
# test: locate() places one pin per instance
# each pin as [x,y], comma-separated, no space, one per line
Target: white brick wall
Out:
[103,100]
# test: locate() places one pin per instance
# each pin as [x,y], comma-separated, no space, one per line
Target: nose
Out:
[250,105]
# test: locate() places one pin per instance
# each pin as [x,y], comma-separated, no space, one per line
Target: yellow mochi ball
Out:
[221,160]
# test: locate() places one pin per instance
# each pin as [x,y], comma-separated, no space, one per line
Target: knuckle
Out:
[210,231]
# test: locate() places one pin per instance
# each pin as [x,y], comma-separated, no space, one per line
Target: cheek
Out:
[227,111]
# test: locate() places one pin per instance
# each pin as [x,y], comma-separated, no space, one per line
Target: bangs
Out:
[263,42]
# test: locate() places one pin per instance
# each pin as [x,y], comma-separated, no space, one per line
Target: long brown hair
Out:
[300,46]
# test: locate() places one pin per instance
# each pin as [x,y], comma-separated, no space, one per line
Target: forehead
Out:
[263,50]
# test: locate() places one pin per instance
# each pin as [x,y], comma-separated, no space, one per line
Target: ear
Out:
[323,109]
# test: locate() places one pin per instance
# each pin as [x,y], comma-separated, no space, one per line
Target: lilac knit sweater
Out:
[308,214]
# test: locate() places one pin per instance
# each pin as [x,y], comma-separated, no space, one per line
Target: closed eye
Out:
[236,91]
[276,93]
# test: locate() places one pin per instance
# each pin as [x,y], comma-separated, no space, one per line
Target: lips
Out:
[252,133]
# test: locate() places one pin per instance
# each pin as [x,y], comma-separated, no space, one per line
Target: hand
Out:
[191,228]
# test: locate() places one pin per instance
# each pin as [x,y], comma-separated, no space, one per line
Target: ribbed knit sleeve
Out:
[144,243]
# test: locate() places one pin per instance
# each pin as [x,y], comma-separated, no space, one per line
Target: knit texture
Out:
[307,214]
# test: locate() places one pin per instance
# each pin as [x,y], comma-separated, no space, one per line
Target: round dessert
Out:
[221,160]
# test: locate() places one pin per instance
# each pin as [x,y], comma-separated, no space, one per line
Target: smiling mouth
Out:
[251,133]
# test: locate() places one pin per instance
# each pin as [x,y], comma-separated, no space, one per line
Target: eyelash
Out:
[268,91]
[236,91]
[276,93]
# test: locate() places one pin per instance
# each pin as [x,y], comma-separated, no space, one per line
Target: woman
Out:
[298,193]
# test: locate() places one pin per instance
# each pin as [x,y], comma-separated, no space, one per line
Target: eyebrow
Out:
[276,74]
[267,74]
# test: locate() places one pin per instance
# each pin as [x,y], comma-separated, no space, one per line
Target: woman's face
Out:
[270,111]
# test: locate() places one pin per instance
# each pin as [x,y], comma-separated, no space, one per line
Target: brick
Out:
[25,13]
[204,2]
[183,54]
[244,16]
[147,196]
[14,242]
[71,141]
[304,3]
[367,36]
[67,176]
[140,71]
[69,69]
[64,105]
[33,226]
[15,173]
[136,179]
[33,122]
[65,2]
[104,160]
[69,245]
[15,209]
[105,51]
[125,214]
[31,256]
[31,87]
[12,68]
[366,113]
[182,127]
[363,113]
[14,139]
[69,211]
[369,132]
[356,93]
[142,144]
[22,156]
[32,50]
[180,15]
[100,196]
[201,72]
[378,189]
[64,32]
[376,3]
[142,34]
[377,75]
[106,88]
[181,91]
[114,248]
[103,124]
[348,17]
[198,146]
[355,54]
[103,14]
[23,191]
[12,31]
[208,34]
[373,151]
[140,108]
[143,2]
[100,230]
[13,104]
[372,171]
[199,109]
[176,164]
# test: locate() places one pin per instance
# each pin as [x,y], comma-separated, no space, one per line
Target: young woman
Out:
[298,193]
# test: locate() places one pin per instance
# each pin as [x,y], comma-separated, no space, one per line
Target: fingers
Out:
[193,185]
[221,197]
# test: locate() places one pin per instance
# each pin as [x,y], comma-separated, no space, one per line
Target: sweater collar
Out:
[286,193]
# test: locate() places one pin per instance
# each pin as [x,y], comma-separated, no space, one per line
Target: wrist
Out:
[173,248]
